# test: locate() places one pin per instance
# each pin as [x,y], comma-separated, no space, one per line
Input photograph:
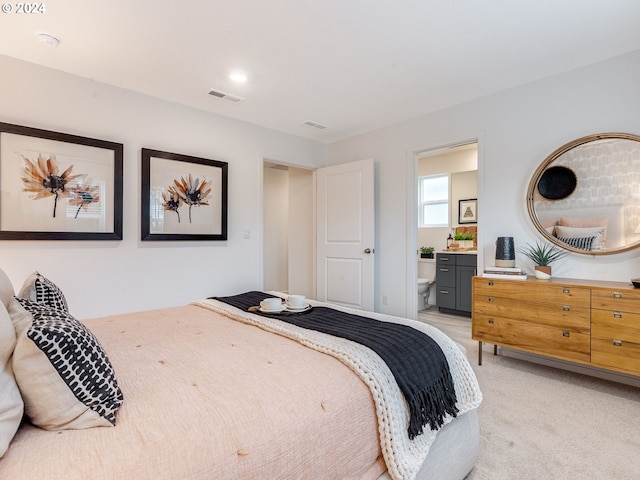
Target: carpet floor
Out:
[540,422]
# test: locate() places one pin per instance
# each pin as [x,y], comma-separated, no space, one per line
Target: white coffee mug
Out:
[271,304]
[296,301]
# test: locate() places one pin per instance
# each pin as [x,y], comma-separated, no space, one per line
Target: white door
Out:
[345,229]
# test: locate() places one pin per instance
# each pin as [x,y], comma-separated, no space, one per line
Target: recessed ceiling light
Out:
[238,77]
[48,39]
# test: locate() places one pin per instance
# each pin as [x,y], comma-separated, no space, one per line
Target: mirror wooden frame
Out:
[546,164]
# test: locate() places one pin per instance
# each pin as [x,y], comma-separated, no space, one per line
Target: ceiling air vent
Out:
[225,96]
[309,123]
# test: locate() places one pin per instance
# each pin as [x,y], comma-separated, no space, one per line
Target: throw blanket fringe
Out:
[402,456]
[431,405]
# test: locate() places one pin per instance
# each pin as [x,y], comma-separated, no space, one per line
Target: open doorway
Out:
[457,164]
[288,229]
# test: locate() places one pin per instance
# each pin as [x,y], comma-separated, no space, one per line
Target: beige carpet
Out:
[538,422]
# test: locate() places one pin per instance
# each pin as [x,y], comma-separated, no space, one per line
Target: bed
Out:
[209,390]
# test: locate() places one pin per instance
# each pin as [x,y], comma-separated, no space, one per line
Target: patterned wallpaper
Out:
[608,173]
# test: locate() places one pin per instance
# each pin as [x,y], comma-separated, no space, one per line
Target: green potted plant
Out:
[426,252]
[464,239]
[542,255]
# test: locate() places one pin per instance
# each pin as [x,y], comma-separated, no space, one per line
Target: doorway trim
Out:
[412,210]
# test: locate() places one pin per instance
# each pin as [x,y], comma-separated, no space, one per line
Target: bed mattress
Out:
[211,397]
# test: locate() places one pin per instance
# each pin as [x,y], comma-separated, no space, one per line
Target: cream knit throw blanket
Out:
[402,455]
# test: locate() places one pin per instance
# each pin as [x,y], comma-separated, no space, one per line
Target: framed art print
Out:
[183,197]
[56,186]
[468,211]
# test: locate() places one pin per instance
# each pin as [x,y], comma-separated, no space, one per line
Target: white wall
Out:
[302,233]
[516,130]
[464,186]
[101,278]
[461,164]
[276,224]
[289,230]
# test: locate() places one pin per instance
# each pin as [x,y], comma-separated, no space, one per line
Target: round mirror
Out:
[585,196]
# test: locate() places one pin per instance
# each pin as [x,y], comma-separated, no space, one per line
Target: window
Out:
[434,201]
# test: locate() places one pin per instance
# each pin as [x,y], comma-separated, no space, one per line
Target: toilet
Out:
[426,278]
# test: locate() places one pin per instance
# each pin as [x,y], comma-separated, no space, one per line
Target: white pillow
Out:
[64,375]
[582,232]
[11,405]
[6,289]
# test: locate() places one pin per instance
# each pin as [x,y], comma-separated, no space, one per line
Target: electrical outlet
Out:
[385,299]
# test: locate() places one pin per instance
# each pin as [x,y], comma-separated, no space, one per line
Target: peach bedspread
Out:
[210,397]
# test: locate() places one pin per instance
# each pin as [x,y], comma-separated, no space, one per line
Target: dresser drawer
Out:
[577,319]
[621,300]
[615,340]
[620,355]
[532,337]
[529,292]
[614,324]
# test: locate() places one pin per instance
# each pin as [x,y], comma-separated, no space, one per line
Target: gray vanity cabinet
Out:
[454,272]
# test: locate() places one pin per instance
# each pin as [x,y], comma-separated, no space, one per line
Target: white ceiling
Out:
[352,65]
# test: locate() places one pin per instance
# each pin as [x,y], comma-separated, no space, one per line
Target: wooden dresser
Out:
[589,322]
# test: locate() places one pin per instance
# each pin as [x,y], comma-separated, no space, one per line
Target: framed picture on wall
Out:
[56,186]
[183,197]
[468,211]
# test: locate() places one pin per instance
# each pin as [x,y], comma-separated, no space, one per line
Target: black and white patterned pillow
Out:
[79,361]
[583,243]
[39,288]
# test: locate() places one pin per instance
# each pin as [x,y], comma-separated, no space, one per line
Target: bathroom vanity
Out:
[454,272]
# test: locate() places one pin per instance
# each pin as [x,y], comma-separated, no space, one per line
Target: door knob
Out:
[368,251]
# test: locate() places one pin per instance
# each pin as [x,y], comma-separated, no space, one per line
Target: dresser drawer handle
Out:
[617,295]
[565,333]
[444,269]
[490,299]
[617,343]
[566,308]
[617,315]
[444,292]
[566,290]
[491,321]
[490,283]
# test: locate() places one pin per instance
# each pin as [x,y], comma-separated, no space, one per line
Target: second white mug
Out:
[296,301]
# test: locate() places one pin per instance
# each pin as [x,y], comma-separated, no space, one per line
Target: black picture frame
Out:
[184,198]
[59,186]
[468,211]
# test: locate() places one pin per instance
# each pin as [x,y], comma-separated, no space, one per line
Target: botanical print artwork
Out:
[57,186]
[42,179]
[193,188]
[189,191]
[172,201]
[83,195]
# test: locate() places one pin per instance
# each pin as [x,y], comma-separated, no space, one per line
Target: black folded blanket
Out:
[416,360]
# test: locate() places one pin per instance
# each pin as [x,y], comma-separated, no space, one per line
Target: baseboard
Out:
[572,367]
